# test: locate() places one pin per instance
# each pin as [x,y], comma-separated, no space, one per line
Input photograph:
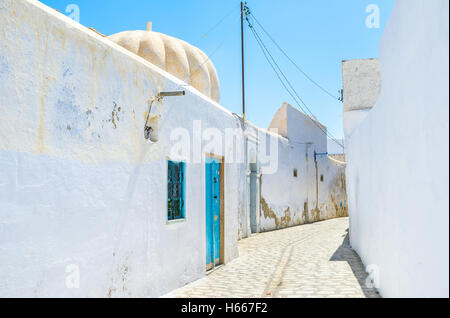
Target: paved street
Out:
[312,260]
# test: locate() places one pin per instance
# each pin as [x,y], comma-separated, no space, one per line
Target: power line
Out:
[197,69]
[262,46]
[292,61]
[217,24]
[279,69]
[271,60]
[311,115]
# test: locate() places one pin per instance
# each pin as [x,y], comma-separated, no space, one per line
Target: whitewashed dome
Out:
[175,56]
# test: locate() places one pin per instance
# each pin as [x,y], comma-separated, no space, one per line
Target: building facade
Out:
[302,184]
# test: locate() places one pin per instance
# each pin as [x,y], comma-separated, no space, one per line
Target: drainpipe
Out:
[247,175]
[247,206]
[308,145]
[317,175]
[258,202]
[317,180]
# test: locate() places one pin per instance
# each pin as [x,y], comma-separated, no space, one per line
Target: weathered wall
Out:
[332,189]
[287,200]
[362,86]
[79,184]
[398,196]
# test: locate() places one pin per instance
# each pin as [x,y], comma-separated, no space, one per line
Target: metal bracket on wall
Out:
[317,154]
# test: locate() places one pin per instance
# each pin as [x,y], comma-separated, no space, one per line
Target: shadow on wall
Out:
[346,254]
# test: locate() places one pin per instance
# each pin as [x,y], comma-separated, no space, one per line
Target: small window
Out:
[321,178]
[295,173]
[175,191]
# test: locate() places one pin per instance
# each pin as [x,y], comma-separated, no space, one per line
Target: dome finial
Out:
[149,26]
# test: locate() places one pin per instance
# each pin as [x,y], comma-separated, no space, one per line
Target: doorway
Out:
[254,196]
[214,182]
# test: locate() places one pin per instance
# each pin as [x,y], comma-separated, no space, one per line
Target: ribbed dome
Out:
[177,57]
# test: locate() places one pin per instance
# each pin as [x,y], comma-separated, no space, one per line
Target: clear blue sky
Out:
[317,34]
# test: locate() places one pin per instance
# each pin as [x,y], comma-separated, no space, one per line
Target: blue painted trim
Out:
[171,166]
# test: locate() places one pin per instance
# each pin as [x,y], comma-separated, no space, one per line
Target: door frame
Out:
[221,160]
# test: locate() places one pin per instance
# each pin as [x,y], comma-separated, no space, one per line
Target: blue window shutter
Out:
[182,190]
[175,190]
[170,190]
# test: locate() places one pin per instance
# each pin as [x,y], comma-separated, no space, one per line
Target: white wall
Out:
[361,89]
[398,157]
[79,184]
[283,196]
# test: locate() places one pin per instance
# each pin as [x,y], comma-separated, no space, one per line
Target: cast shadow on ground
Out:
[346,254]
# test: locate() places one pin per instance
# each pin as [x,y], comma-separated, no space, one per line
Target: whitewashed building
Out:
[396,113]
[305,185]
[110,186]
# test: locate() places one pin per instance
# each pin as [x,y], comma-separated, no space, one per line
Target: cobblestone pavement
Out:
[313,260]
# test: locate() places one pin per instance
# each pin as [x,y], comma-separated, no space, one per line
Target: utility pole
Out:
[243,8]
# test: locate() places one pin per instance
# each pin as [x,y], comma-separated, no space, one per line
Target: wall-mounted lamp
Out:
[151,124]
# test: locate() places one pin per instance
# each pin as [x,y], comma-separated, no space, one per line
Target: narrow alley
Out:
[234,149]
[313,260]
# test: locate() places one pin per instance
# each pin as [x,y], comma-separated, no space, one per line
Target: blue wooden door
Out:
[213,234]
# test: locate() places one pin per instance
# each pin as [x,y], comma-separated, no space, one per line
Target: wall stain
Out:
[115,115]
[338,195]
[305,214]
[283,222]
[88,116]
[268,212]
[341,208]
[43,93]
[286,219]
[111,290]
[67,115]
[123,272]
[315,215]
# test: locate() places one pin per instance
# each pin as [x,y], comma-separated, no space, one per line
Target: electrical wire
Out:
[267,55]
[198,68]
[272,62]
[292,61]
[279,69]
[217,24]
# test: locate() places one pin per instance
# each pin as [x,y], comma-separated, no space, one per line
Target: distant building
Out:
[306,186]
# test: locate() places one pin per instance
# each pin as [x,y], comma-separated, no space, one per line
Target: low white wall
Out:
[397,172]
[79,184]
